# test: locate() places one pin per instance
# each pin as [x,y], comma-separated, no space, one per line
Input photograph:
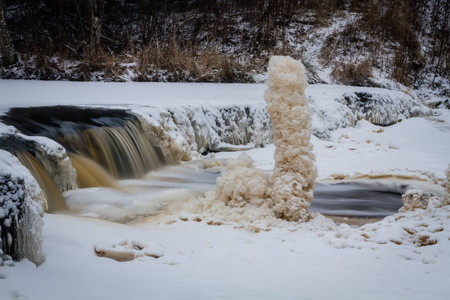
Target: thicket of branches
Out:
[201,39]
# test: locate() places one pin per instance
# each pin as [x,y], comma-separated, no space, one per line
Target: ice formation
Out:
[21,210]
[181,131]
[294,172]
[412,229]
[343,106]
[289,192]
[418,199]
[446,195]
[56,162]
[242,184]
[414,199]
[384,110]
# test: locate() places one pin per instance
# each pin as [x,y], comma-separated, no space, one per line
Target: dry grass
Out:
[353,74]
[190,63]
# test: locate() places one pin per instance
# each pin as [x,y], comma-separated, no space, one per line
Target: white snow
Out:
[191,254]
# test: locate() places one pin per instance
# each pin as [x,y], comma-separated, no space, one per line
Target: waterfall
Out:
[55,200]
[90,173]
[103,145]
[123,152]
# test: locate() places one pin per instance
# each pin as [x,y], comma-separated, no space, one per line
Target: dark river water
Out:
[149,195]
[349,199]
[353,200]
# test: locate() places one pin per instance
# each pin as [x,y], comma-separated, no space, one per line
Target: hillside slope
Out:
[363,43]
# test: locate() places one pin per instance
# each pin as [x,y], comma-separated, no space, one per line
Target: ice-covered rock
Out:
[55,160]
[21,211]
[385,109]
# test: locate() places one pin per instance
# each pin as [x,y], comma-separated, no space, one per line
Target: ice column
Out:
[294,172]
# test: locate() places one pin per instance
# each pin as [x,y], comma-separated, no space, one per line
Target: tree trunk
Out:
[7,50]
[96,15]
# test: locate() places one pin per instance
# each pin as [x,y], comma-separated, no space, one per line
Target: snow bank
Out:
[215,126]
[294,172]
[21,211]
[328,101]
[416,233]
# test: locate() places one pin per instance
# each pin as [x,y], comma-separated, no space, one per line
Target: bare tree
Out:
[96,8]
[7,50]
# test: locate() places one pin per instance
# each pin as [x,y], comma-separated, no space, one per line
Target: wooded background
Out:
[220,40]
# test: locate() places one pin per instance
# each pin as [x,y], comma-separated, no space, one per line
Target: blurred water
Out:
[353,200]
[348,199]
[139,198]
[174,184]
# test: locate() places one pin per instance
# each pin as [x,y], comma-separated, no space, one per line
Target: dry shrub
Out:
[190,62]
[351,74]
[407,66]
[113,68]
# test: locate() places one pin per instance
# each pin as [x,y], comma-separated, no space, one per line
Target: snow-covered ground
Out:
[186,253]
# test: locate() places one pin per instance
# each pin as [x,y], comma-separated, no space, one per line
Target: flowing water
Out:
[27,156]
[354,200]
[91,174]
[150,195]
[109,145]
[160,189]
[112,138]
[103,146]
[54,198]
